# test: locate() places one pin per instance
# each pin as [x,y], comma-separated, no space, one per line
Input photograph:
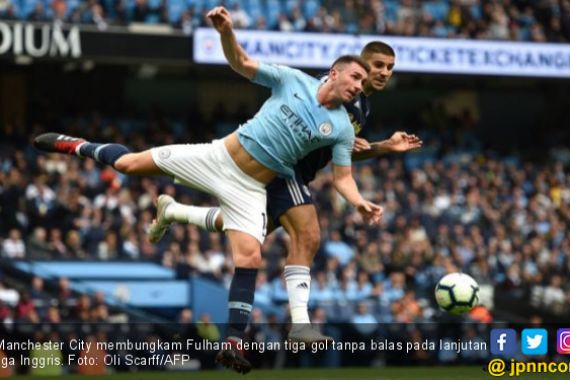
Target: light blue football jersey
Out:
[292,123]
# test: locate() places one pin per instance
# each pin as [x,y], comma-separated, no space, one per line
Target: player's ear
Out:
[333,73]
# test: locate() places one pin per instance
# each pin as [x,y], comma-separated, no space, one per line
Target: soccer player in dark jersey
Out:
[289,202]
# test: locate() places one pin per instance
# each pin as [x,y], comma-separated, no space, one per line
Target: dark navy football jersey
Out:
[358,110]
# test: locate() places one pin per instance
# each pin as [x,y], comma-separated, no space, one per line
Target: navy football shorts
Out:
[283,194]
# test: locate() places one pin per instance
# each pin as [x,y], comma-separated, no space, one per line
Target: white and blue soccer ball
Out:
[457,293]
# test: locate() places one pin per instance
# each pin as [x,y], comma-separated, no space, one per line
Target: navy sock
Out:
[240,303]
[106,154]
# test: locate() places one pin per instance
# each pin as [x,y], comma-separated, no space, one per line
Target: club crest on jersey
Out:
[325,129]
[164,153]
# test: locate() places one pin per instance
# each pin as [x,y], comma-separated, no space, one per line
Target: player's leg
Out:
[141,163]
[116,155]
[169,211]
[288,198]
[242,202]
[246,253]
[290,201]
[301,223]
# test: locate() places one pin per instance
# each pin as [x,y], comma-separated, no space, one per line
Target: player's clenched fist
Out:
[221,19]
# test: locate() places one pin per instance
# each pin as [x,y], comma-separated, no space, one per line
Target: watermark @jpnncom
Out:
[498,368]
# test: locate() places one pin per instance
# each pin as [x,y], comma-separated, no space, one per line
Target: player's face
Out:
[350,81]
[381,67]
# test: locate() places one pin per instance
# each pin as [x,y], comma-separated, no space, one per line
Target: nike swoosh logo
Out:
[297,96]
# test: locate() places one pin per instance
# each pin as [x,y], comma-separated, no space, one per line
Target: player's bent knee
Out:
[247,259]
[126,164]
[219,224]
[246,250]
[253,261]
[137,164]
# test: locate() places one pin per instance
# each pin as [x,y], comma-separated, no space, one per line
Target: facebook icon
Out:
[503,342]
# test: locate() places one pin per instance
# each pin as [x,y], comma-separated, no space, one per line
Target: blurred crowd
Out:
[452,206]
[517,20]
[56,303]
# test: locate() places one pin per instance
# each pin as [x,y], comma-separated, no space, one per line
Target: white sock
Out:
[203,217]
[298,279]
[176,212]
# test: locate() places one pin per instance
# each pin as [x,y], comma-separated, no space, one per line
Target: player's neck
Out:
[326,98]
[368,89]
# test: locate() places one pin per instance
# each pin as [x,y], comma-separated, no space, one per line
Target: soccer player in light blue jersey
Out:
[308,125]
[301,115]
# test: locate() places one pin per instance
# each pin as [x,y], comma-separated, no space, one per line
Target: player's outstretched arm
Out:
[398,142]
[346,186]
[238,59]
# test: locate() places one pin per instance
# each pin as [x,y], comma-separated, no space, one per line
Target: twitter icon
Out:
[534,341]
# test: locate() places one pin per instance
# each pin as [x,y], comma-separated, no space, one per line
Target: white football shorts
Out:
[210,168]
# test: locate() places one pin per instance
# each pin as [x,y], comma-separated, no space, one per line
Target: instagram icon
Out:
[563,341]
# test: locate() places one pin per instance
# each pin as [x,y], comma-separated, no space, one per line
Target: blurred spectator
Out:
[74,245]
[337,248]
[82,310]
[38,293]
[52,315]
[188,22]
[39,13]
[141,11]
[206,329]
[481,314]
[97,17]
[41,201]
[38,246]
[240,18]
[57,247]
[13,247]
[59,10]
[283,23]
[363,321]
[65,298]
[25,309]
[131,246]
[9,12]
[108,249]
[8,296]
[299,23]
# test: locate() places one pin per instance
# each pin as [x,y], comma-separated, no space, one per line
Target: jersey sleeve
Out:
[269,75]
[272,76]
[342,150]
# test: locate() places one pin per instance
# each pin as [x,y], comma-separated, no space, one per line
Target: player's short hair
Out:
[344,60]
[377,47]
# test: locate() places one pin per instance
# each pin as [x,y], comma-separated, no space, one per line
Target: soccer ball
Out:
[457,293]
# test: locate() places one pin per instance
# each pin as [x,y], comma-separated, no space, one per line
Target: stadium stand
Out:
[73,244]
[517,20]
[500,218]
